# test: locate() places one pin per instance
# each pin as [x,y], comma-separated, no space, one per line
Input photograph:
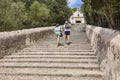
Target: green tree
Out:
[20,14]
[39,14]
[16,16]
[102,12]
[4,8]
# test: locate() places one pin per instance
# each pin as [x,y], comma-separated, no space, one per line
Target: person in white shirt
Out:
[67,29]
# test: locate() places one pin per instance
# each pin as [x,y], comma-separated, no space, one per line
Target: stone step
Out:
[19,57]
[55,56]
[45,44]
[77,43]
[52,44]
[47,61]
[56,53]
[45,50]
[51,65]
[72,44]
[63,46]
[57,49]
[37,77]
[38,57]
[50,72]
[51,60]
[67,47]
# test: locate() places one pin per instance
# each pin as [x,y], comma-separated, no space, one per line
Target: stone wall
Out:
[13,41]
[106,44]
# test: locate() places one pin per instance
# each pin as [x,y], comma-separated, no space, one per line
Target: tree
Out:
[39,14]
[105,12]
[20,14]
[4,8]
[16,16]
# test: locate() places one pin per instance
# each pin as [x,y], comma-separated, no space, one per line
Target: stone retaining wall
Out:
[15,40]
[106,44]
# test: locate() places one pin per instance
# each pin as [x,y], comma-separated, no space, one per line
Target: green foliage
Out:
[4,8]
[39,14]
[16,16]
[20,14]
[100,12]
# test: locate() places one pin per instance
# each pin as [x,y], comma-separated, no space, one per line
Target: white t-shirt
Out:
[65,28]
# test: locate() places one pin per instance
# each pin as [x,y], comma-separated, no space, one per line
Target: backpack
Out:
[58,29]
[67,26]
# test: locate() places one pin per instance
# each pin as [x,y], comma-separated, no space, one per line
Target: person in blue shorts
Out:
[67,29]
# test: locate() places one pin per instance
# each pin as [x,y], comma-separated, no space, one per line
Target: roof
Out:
[77,14]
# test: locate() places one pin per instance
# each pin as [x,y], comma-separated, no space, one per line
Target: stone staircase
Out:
[45,61]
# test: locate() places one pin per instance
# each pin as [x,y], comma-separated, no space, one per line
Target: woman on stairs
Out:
[58,33]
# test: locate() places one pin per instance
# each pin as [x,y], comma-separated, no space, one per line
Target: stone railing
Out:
[106,44]
[13,41]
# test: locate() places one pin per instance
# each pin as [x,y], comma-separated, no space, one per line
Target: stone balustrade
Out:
[13,41]
[106,44]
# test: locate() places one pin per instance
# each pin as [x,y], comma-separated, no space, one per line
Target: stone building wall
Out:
[106,44]
[13,41]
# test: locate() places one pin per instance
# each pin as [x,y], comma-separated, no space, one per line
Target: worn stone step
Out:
[56,53]
[45,50]
[37,77]
[50,72]
[79,58]
[52,60]
[43,61]
[51,65]
[51,45]
[72,44]
[64,45]
[57,49]
[55,56]
[37,57]
[84,62]
[50,48]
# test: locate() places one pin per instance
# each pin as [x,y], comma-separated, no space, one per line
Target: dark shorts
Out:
[67,32]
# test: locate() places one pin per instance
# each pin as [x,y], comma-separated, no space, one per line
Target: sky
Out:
[74,3]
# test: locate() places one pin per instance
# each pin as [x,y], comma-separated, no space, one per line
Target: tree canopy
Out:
[105,13]
[21,14]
